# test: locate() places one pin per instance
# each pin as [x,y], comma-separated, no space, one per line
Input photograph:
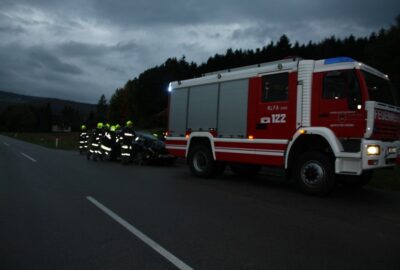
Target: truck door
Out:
[337,103]
[272,106]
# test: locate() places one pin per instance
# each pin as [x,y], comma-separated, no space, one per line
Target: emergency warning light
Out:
[337,60]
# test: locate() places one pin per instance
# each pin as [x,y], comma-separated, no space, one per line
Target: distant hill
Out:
[57,105]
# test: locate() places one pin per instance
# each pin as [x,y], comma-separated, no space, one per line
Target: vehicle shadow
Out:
[273,183]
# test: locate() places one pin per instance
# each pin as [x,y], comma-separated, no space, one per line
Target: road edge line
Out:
[28,157]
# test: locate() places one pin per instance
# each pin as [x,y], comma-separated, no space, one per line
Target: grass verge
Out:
[66,141]
[386,179]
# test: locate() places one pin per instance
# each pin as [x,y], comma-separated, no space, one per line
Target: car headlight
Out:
[373,150]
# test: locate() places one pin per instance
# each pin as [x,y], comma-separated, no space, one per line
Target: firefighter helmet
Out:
[100,125]
[83,127]
[112,128]
[129,123]
[107,126]
[117,126]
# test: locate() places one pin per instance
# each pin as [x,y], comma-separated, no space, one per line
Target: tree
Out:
[19,118]
[283,47]
[101,110]
[91,119]
[45,117]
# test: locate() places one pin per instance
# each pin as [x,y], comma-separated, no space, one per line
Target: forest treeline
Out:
[144,99]
[27,117]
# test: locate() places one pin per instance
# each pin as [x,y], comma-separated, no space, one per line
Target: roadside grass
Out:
[388,179]
[66,141]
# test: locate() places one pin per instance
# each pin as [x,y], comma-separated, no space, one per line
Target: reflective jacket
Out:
[128,135]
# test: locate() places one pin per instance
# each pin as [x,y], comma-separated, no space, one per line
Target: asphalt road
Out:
[60,211]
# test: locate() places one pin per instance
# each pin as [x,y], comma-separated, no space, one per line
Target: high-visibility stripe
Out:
[176,147]
[105,148]
[250,151]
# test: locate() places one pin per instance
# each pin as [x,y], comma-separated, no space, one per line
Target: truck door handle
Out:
[261,126]
[323,115]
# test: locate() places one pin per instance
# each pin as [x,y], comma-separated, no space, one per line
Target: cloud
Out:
[82,49]
[76,49]
[43,59]
[37,71]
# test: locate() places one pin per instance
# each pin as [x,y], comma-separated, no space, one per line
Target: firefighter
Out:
[83,140]
[127,137]
[95,150]
[115,147]
[106,142]
[118,134]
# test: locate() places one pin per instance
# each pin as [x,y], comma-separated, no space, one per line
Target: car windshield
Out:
[146,136]
[380,89]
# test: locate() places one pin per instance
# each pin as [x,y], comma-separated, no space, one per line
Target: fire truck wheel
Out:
[201,162]
[314,173]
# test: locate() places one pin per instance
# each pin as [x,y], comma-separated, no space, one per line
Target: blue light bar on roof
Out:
[337,60]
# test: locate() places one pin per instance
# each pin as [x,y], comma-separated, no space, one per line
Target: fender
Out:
[207,135]
[324,132]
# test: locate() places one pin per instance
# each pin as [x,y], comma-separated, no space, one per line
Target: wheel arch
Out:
[312,139]
[205,138]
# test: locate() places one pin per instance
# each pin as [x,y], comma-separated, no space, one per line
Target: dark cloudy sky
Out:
[79,49]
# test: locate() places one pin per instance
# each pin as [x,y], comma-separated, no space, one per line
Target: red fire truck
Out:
[321,121]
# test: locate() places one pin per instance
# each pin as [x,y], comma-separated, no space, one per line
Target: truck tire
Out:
[202,163]
[245,170]
[314,173]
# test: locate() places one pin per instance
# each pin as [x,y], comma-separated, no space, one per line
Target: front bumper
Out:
[386,158]
[356,163]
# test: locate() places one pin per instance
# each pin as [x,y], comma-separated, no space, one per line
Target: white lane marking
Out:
[28,157]
[162,251]
[6,144]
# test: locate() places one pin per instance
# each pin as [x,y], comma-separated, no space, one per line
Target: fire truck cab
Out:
[321,121]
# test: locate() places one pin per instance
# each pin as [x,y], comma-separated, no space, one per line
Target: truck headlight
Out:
[373,150]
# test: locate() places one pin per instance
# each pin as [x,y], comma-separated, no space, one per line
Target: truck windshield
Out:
[380,89]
